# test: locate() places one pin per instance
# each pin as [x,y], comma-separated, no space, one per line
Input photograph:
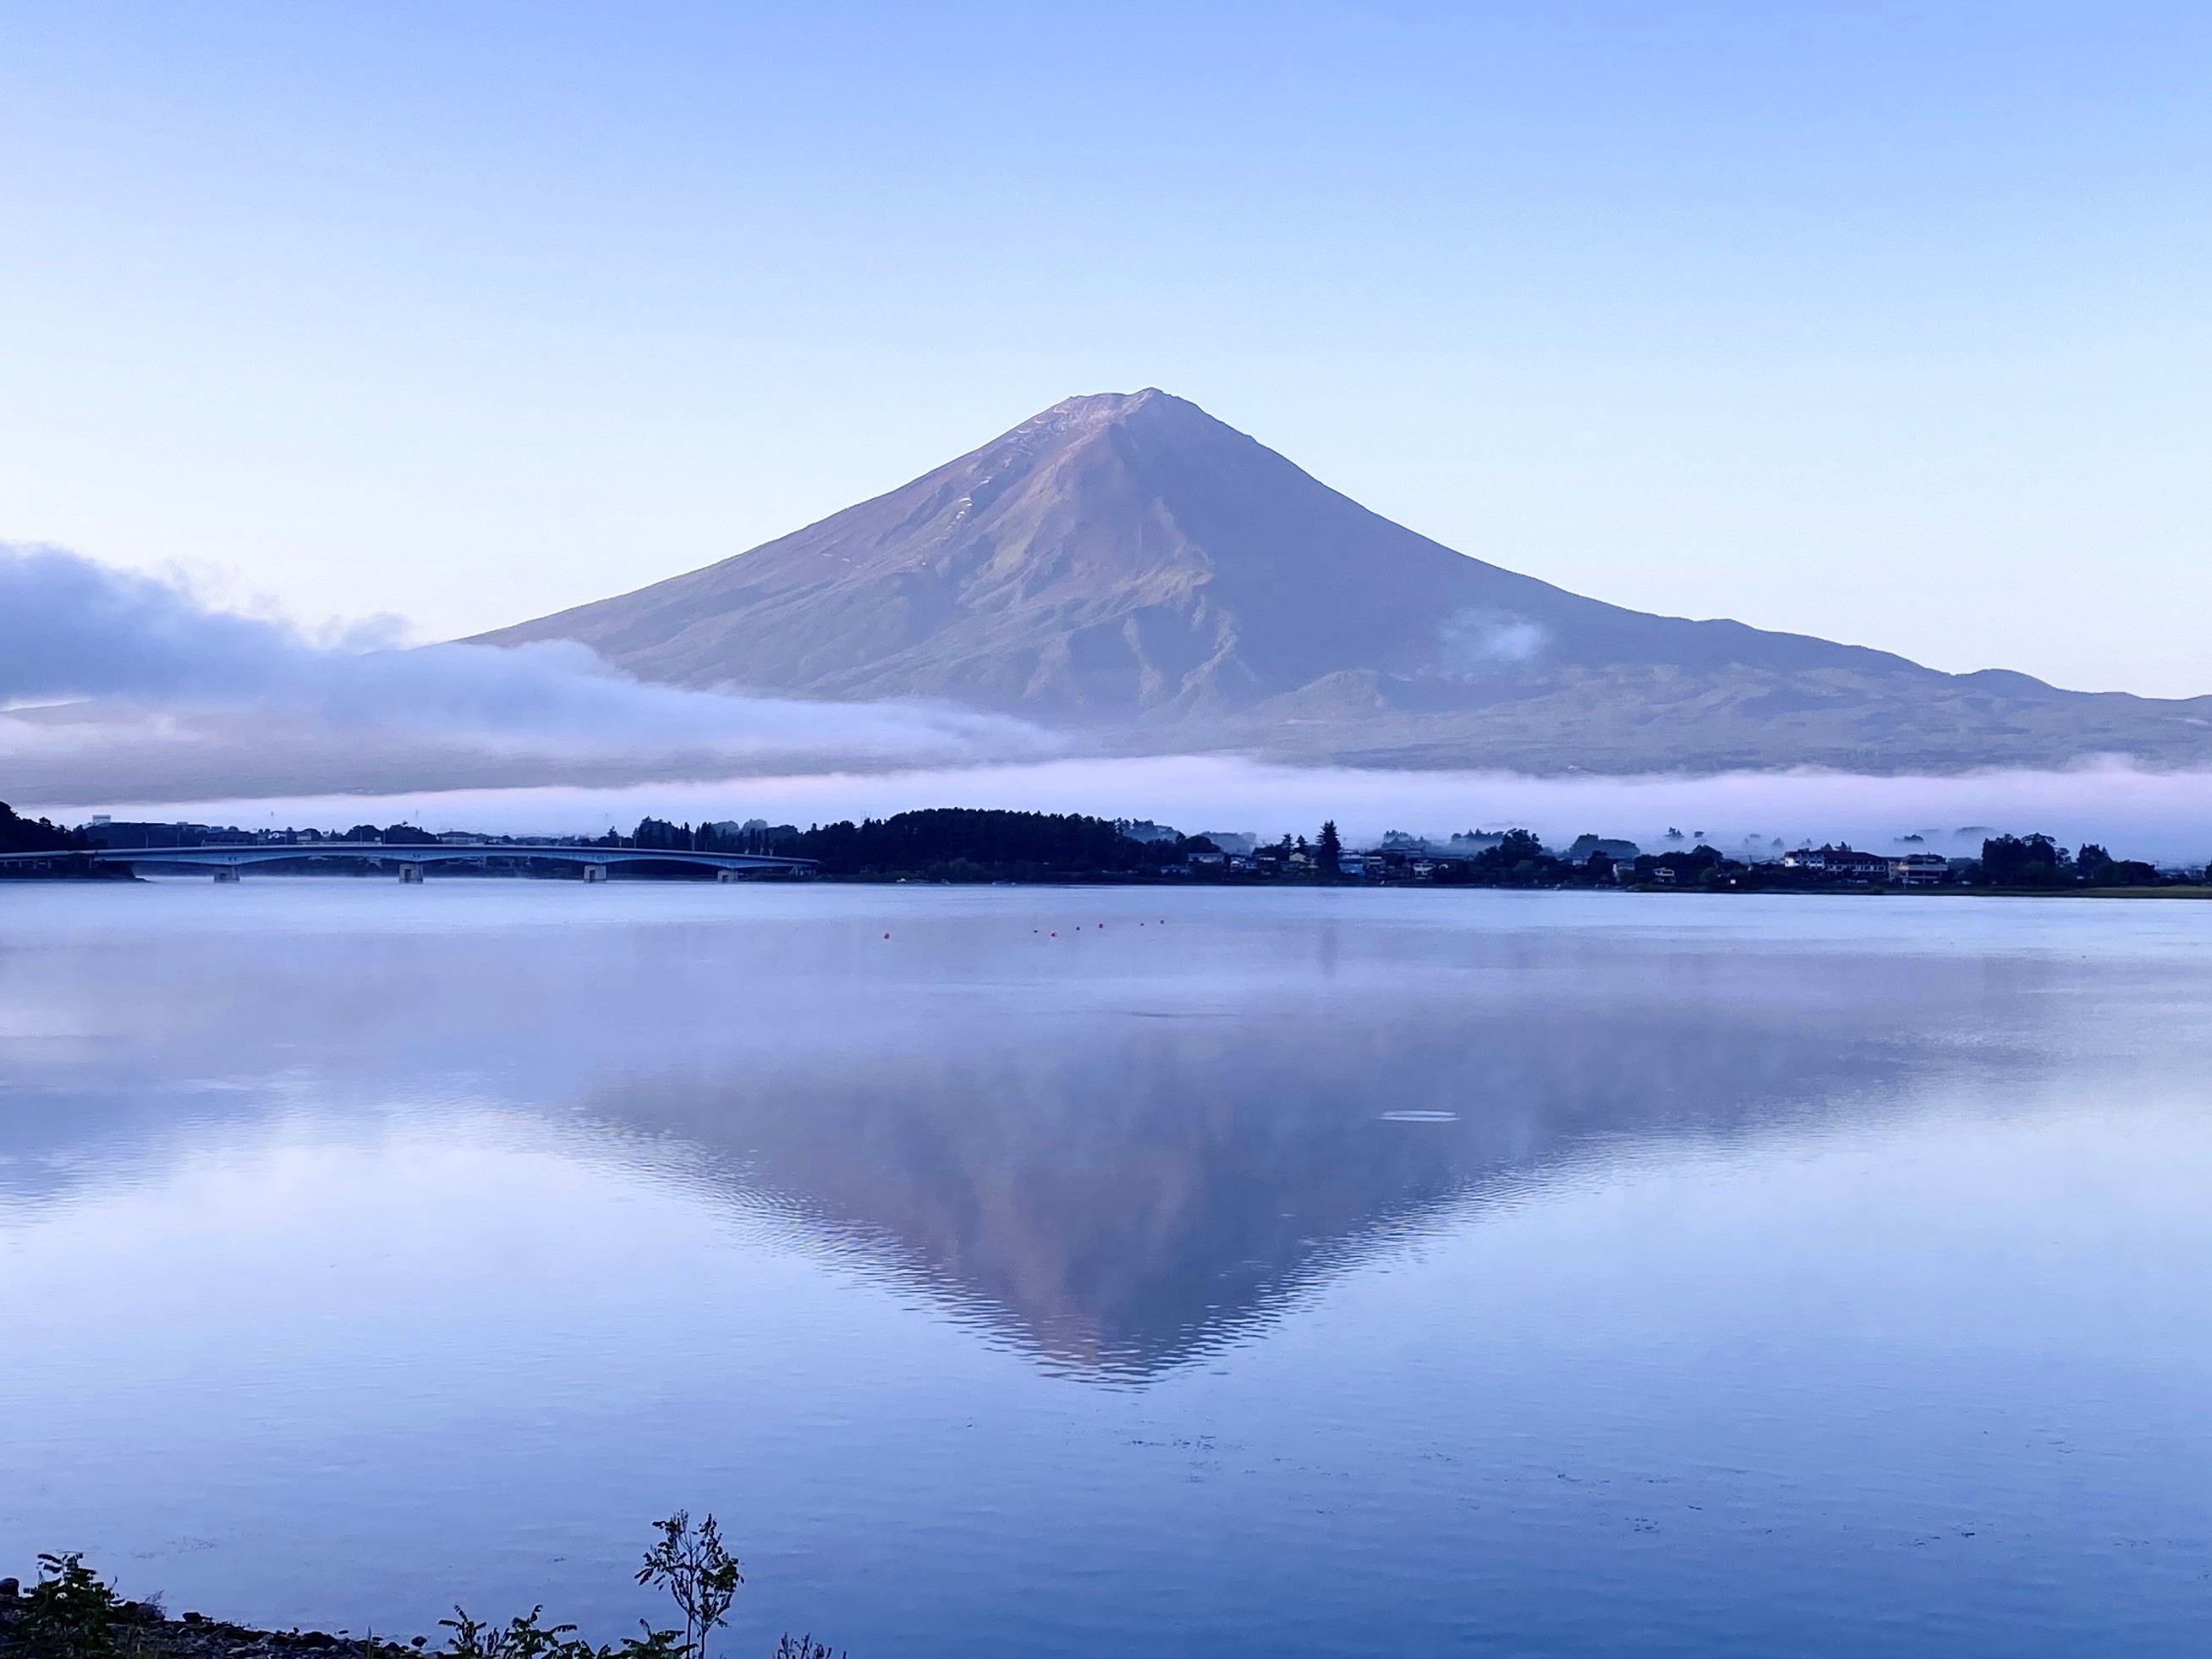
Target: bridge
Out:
[227,860]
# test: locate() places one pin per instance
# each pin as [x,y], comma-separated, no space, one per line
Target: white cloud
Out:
[114,683]
[132,694]
[1479,640]
[2138,814]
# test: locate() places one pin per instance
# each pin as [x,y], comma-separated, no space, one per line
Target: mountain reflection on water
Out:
[1116,1145]
[1121,1198]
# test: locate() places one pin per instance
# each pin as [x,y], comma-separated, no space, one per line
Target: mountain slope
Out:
[1128,565]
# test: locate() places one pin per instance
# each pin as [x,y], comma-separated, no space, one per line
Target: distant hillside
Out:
[1126,565]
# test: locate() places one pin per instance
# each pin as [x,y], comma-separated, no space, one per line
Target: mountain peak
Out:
[1072,419]
[1103,405]
[1125,563]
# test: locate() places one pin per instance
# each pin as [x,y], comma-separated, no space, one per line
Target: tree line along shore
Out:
[966,845]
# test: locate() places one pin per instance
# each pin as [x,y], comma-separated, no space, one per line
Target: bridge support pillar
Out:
[595,873]
[410,875]
[727,875]
[226,873]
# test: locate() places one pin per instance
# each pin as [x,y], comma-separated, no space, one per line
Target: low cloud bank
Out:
[2162,816]
[113,683]
[126,694]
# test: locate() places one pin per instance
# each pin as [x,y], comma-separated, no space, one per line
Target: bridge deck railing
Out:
[223,855]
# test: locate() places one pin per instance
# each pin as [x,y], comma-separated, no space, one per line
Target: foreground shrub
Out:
[71,1612]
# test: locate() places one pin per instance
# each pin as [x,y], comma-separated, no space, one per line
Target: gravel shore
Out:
[142,1630]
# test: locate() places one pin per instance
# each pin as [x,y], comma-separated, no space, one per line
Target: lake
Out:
[1094,1272]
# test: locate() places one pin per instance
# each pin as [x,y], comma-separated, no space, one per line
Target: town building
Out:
[1841,863]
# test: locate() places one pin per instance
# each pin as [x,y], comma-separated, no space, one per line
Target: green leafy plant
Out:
[523,1637]
[698,1572]
[526,1637]
[71,1613]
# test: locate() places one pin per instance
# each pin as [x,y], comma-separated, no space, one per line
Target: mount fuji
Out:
[1128,569]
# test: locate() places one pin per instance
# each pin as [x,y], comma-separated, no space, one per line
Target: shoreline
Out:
[143,1630]
[2197,890]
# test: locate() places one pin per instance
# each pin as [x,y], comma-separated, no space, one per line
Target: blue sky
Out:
[1881,322]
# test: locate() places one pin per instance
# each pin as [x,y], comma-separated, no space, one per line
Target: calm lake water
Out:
[1112,1273]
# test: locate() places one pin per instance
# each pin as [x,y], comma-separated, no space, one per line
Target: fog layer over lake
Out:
[1108,1272]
